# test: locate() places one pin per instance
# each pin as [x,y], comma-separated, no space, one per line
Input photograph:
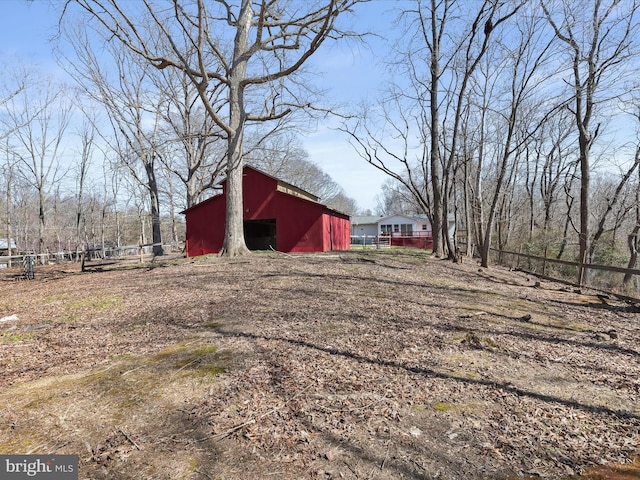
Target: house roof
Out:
[3,244]
[365,219]
[376,219]
[373,220]
[415,218]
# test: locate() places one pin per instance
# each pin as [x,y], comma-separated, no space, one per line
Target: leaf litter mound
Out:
[364,364]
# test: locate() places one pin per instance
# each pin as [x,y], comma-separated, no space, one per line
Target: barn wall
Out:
[337,231]
[298,222]
[256,190]
[342,232]
[301,225]
[205,227]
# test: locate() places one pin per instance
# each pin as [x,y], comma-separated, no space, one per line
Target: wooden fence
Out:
[615,280]
[28,262]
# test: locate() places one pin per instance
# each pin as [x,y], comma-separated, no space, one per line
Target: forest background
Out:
[518,118]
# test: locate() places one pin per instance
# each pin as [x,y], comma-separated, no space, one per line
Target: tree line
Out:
[517,118]
[113,157]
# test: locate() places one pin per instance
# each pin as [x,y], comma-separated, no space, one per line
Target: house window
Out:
[406,228]
[385,228]
[396,228]
[424,226]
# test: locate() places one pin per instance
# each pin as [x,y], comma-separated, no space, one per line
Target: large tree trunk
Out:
[585,180]
[467,210]
[634,238]
[8,224]
[448,237]
[234,243]
[436,227]
[41,223]
[633,253]
[156,232]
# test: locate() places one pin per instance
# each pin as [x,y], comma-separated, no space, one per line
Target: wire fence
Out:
[369,241]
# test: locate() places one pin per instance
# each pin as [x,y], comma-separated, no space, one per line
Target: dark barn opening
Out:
[260,234]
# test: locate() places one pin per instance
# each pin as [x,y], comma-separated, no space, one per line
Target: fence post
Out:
[582,269]
[28,267]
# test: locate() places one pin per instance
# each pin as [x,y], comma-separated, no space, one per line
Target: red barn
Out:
[277,215]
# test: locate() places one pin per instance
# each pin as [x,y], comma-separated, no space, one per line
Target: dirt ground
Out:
[356,365]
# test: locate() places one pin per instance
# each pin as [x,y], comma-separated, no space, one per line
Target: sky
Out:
[349,74]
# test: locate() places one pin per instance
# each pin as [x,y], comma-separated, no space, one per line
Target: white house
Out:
[405,225]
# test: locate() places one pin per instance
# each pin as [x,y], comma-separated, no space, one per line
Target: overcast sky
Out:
[348,72]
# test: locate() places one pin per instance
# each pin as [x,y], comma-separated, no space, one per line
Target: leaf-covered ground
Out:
[372,364]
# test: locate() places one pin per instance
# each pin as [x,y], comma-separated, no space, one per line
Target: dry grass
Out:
[354,365]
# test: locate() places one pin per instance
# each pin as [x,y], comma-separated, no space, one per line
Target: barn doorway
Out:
[260,234]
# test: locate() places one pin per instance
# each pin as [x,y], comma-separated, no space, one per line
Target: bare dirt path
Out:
[378,365]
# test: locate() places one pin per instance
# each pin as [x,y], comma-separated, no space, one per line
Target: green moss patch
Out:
[443,406]
[131,386]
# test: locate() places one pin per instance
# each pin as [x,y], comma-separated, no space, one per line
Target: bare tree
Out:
[8,172]
[243,49]
[633,239]
[598,37]
[611,201]
[169,192]
[24,217]
[87,137]
[196,156]
[384,139]
[281,154]
[473,47]
[556,159]
[444,44]
[523,59]
[11,86]
[113,182]
[120,82]
[394,198]
[40,118]
[570,201]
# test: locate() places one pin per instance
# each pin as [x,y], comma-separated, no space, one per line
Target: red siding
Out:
[341,232]
[413,242]
[205,226]
[301,225]
[420,239]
